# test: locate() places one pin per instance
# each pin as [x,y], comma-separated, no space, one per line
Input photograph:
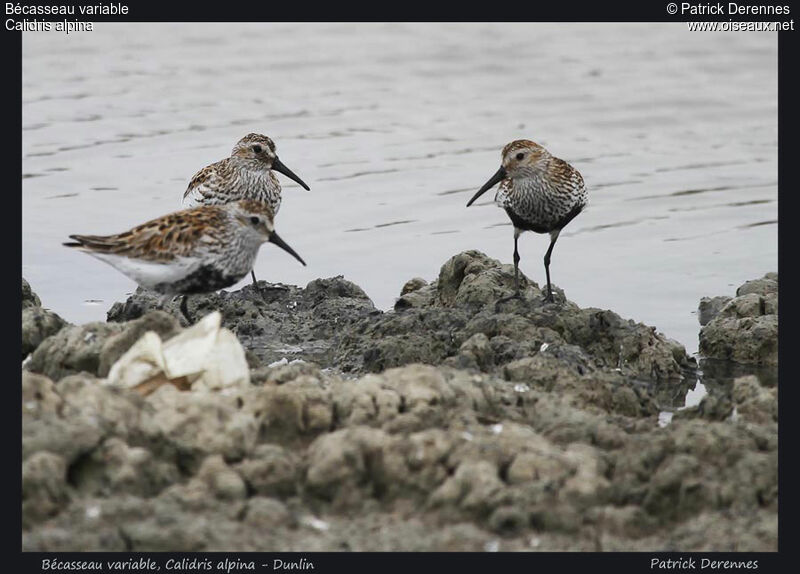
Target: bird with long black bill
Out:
[540,193]
[196,250]
[246,174]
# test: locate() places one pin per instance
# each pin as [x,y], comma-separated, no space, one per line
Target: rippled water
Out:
[394,127]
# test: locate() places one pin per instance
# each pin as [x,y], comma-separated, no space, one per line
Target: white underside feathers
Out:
[150,273]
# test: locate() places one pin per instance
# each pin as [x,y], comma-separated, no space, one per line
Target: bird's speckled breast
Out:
[543,203]
[258,184]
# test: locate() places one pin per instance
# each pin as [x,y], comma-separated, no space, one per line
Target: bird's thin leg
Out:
[516,262]
[255,283]
[553,237]
[185,309]
[517,294]
[263,291]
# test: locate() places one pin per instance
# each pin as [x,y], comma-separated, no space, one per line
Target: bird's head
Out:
[260,148]
[255,146]
[520,158]
[257,221]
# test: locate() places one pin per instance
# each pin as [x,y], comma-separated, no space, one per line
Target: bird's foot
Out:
[185,312]
[275,287]
[548,298]
[260,290]
[264,289]
[516,295]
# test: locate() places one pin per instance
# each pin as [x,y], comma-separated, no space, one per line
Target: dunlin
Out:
[540,193]
[246,174]
[197,250]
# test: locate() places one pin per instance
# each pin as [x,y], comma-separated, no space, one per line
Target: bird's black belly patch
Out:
[544,227]
[204,280]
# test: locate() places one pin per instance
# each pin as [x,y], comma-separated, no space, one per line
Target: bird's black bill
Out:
[274,238]
[278,166]
[499,176]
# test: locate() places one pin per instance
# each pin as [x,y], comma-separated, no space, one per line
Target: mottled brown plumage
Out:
[246,174]
[162,239]
[196,250]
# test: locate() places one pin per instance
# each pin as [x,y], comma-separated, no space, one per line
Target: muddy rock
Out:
[754,402]
[764,286]
[746,533]
[457,319]
[473,278]
[29,298]
[270,470]
[471,487]
[283,371]
[87,523]
[186,427]
[323,461]
[453,422]
[412,285]
[416,293]
[72,350]
[39,397]
[607,390]
[221,480]
[113,411]
[710,307]
[695,467]
[37,325]
[342,463]
[44,487]
[114,467]
[74,416]
[292,411]
[444,320]
[274,322]
[745,329]
[264,513]
[713,406]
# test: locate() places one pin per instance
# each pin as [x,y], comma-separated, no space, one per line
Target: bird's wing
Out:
[162,239]
[210,185]
[566,176]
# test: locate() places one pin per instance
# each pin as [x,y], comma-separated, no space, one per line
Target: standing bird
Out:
[197,250]
[540,193]
[246,174]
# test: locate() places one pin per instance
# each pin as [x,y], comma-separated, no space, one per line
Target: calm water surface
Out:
[394,127]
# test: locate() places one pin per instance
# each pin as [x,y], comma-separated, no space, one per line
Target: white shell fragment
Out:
[315,523]
[205,355]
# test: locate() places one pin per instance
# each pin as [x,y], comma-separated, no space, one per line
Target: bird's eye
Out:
[257,148]
[255,220]
[520,155]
